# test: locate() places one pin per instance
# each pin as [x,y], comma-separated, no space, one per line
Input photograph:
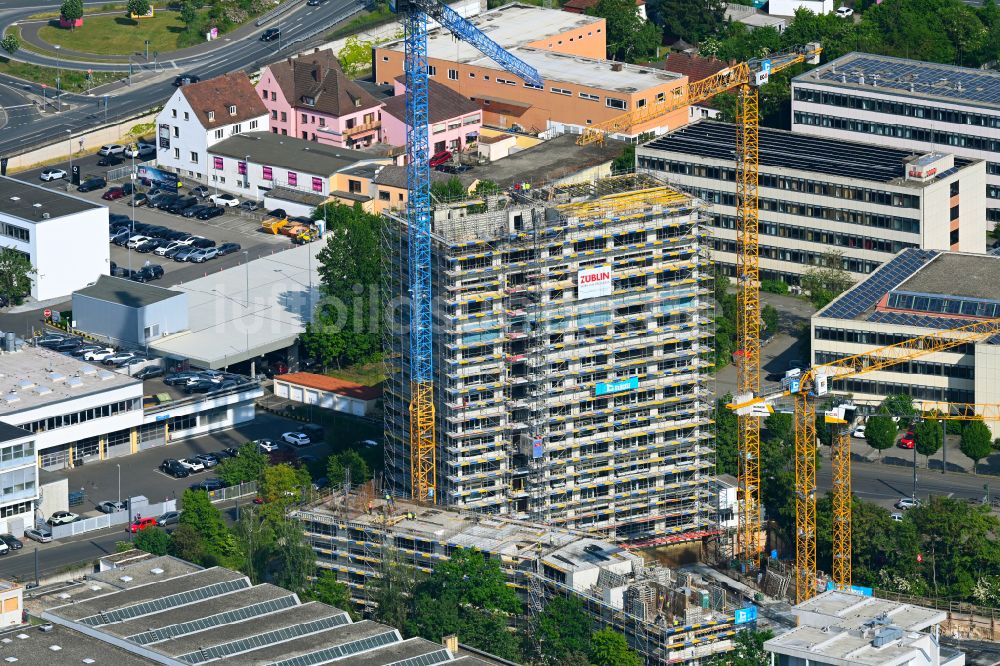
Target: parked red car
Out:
[113,193]
[440,158]
[142,523]
[908,441]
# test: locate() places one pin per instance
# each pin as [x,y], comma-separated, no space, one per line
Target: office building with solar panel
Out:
[572,335]
[918,292]
[908,104]
[820,195]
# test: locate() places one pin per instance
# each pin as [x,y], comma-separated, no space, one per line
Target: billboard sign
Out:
[762,75]
[744,615]
[162,178]
[854,589]
[537,448]
[164,135]
[604,388]
[593,282]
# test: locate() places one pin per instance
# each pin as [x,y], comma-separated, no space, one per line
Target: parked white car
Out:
[907,503]
[160,251]
[136,241]
[62,518]
[98,354]
[191,465]
[224,200]
[296,438]
[111,149]
[845,12]
[52,174]
[859,432]
[266,446]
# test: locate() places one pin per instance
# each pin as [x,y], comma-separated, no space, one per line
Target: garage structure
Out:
[328,392]
[126,312]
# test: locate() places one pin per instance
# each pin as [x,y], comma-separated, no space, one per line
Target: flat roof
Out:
[549,161]
[321,640]
[296,196]
[288,152]
[853,611]
[36,376]
[126,292]
[797,151]
[332,384]
[908,78]
[980,276]
[31,202]
[844,646]
[586,553]
[225,329]
[30,646]
[151,570]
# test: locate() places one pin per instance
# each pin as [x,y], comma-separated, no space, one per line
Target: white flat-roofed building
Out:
[845,629]
[18,480]
[55,231]
[909,104]
[819,195]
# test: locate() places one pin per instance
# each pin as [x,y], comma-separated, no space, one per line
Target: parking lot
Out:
[235,226]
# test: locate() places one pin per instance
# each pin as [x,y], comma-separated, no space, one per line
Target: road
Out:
[140,476]
[302,28]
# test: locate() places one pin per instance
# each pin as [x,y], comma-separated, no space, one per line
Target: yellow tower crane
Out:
[815,382]
[747,77]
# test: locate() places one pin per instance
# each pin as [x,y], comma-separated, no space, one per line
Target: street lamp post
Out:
[118,465]
[70,180]
[58,80]
[147,50]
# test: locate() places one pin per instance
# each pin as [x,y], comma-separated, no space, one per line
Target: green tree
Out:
[356,56]
[880,432]
[976,442]
[726,434]
[123,546]
[327,590]
[748,650]
[338,463]
[769,316]
[609,648]
[828,280]
[153,540]
[467,595]
[346,326]
[928,438]
[254,536]
[187,544]
[448,190]
[71,10]
[958,544]
[138,7]
[393,593]
[188,14]
[690,20]
[725,321]
[206,520]
[283,485]
[10,44]
[15,275]
[628,36]
[626,161]
[901,406]
[249,465]
[562,630]
[293,561]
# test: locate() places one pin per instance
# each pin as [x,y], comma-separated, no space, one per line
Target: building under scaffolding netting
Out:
[667,615]
[573,331]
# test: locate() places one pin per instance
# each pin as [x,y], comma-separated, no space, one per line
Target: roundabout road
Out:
[301,29]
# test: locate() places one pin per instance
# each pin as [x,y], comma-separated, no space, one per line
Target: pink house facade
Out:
[455,120]
[310,97]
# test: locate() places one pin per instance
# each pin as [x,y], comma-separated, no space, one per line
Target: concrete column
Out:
[134,439]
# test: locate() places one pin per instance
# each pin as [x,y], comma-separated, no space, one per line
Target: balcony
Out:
[361,129]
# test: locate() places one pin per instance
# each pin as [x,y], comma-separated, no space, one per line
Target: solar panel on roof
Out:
[235,615]
[892,274]
[165,603]
[260,640]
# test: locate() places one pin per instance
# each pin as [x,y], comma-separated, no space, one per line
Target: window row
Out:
[877,339]
[949,306]
[816,236]
[929,393]
[17,482]
[15,232]
[951,370]
[64,420]
[17,452]
[803,257]
[890,107]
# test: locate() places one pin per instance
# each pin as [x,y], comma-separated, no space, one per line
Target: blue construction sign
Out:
[744,615]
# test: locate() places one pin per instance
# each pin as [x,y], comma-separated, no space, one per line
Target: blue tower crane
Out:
[423,448]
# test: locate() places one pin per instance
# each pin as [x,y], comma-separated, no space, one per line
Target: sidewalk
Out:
[956,460]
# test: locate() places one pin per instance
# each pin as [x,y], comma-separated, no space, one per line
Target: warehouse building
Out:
[569,360]
[668,615]
[820,195]
[126,312]
[54,230]
[567,50]
[918,292]
[909,104]
[162,610]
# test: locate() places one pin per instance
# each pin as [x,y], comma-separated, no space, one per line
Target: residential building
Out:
[845,629]
[339,395]
[581,7]
[753,18]
[389,190]
[696,68]
[568,50]
[200,115]
[908,104]
[569,368]
[253,164]
[789,7]
[18,486]
[76,411]
[54,230]
[311,98]
[147,610]
[130,313]
[670,616]
[918,292]
[11,604]
[454,121]
[819,195]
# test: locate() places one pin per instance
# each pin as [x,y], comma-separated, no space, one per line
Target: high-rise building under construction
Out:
[571,345]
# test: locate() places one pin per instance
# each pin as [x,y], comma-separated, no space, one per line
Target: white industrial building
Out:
[18,479]
[845,629]
[339,395]
[819,195]
[917,293]
[54,230]
[908,104]
[789,7]
[199,115]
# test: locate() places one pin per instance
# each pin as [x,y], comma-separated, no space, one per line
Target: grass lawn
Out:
[369,374]
[365,20]
[118,35]
[72,80]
